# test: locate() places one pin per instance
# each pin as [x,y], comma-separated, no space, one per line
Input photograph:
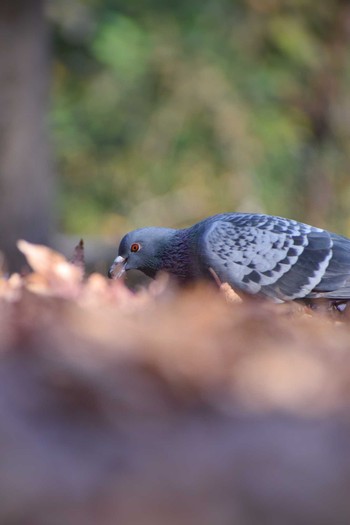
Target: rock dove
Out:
[258,254]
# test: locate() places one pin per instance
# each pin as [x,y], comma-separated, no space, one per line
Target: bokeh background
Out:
[117,114]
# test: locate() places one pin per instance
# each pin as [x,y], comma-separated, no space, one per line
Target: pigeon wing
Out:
[270,256]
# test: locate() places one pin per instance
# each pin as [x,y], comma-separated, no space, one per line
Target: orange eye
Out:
[135,247]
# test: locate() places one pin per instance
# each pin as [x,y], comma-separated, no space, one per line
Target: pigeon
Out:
[256,254]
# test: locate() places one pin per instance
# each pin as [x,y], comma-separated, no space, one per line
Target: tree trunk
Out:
[26,184]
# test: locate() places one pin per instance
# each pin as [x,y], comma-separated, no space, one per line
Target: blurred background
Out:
[118,114]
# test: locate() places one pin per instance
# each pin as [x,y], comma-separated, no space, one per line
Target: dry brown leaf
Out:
[230,295]
[78,258]
[52,272]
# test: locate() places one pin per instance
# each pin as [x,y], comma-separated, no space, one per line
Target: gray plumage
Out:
[256,254]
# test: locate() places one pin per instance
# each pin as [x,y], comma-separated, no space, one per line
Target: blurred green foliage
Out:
[164,112]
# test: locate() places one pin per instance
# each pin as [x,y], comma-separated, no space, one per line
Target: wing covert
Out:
[275,257]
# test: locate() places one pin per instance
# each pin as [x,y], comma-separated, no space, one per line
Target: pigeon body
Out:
[256,254]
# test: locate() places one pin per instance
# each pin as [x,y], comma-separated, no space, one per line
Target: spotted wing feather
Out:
[270,256]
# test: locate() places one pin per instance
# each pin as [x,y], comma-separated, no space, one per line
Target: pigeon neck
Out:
[176,256]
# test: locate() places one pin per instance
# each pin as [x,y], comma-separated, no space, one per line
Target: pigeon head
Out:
[142,250]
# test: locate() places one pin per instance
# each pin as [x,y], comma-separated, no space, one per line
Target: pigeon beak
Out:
[118,267]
